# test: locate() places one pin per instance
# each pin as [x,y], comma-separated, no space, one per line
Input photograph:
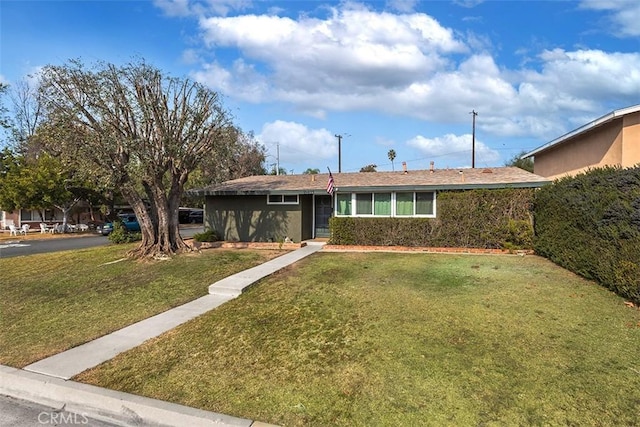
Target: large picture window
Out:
[399,204]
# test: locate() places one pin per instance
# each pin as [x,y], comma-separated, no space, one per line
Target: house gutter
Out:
[585,128]
[367,189]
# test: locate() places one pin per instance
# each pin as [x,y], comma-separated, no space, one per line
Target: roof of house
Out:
[584,129]
[438,179]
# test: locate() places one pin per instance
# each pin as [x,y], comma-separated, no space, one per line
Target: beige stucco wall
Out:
[600,147]
[616,143]
[631,140]
[250,219]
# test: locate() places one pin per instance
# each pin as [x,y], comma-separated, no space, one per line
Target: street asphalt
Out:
[13,246]
[22,413]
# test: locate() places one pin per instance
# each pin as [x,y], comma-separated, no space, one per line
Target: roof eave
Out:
[616,114]
[366,189]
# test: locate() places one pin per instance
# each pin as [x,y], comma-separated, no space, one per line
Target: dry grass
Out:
[52,302]
[402,339]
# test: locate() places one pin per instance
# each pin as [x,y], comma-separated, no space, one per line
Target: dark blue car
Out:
[128,220]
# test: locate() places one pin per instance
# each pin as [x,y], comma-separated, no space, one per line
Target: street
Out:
[20,413]
[19,247]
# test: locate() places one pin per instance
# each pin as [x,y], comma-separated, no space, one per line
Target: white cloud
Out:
[355,50]
[624,18]
[454,150]
[242,81]
[402,5]
[182,8]
[190,56]
[408,64]
[297,143]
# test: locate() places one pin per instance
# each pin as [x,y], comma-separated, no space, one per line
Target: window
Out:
[26,215]
[382,204]
[343,201]
[424,203]
[400,204]
[364,204]
[404,204]
[282,199]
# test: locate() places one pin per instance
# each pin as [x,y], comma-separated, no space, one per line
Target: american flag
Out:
[330,185]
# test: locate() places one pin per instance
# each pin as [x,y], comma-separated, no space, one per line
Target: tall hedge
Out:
[590,224]
[491,219]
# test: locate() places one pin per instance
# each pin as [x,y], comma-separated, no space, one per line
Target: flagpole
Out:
[333,207]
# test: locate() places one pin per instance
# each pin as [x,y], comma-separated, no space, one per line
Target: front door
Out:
[323,211]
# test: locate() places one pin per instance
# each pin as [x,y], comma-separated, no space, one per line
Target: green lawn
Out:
[52,302]
[379,339]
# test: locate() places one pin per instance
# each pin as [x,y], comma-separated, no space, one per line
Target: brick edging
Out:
[353,248]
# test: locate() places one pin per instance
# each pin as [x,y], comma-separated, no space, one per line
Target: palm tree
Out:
[392,156]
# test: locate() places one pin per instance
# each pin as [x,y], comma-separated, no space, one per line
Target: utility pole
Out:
[473,140]
[278,158]
[339,136]
[339,152]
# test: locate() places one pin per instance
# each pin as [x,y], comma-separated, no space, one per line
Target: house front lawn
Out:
[362,339]
[52,302]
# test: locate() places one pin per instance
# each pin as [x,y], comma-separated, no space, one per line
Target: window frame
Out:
[352,204]
[283,200]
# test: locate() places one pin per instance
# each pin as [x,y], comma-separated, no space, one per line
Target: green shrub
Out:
[590,224]
[120,234]
[470,219]
[206,236]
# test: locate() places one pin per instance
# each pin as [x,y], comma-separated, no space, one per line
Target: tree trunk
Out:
[158,223]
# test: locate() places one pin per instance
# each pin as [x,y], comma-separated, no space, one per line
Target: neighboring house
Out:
[81,214]
[611,140]
[273,207]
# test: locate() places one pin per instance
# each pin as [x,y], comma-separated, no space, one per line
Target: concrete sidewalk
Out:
[46,377]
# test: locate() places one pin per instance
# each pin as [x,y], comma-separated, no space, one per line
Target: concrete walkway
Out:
[67,364]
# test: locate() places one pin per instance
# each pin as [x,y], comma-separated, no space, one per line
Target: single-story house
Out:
[611,140]
[274,207]
[81,214]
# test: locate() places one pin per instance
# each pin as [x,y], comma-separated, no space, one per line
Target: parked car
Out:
[196,217]
[128,220]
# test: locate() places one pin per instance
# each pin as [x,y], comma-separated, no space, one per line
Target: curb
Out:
[110,406]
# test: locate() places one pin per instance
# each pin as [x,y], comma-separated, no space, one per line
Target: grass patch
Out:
[402,339]
[52,302]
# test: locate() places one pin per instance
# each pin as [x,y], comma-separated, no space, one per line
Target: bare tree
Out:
[28,114]
[142,130]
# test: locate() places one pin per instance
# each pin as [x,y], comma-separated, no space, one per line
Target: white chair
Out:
[13,230]
[8,223]
[43,228]
[83,227]
[25,229]
[54,229]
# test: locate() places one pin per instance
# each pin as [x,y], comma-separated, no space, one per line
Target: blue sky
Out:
[397,74]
